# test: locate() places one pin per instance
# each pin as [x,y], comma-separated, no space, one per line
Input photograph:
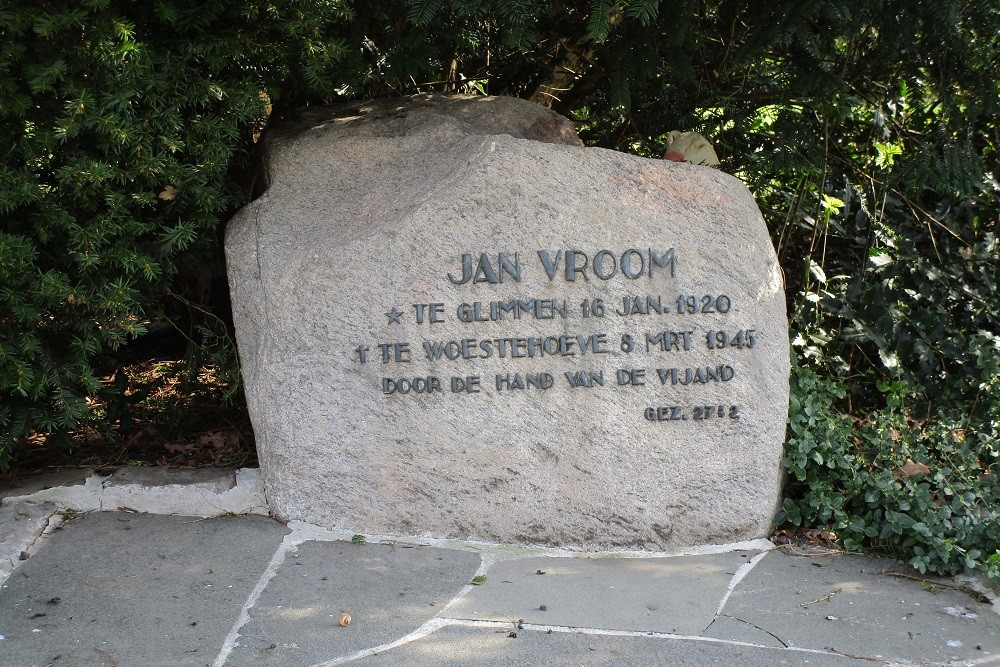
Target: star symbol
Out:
[394,316]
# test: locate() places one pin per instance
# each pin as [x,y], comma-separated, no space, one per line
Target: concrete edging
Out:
[31,510]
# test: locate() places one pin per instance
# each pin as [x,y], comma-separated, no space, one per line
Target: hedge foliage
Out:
[123,127]
[867,129]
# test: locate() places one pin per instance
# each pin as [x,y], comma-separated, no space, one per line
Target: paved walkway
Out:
[127,588]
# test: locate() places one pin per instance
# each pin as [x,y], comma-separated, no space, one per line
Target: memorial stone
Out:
[456,321]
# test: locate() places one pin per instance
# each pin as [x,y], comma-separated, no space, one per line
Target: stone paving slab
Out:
[57,479]
[68,489]
[852,604]
[133,589]
[189,492]
[388,590]
[197,492]
[122,589]
[21,524]
[214,480]
[489,647]
[679,594]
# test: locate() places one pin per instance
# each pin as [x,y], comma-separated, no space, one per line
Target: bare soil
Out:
[167,415]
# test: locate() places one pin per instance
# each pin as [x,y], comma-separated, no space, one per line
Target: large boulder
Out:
[455,321]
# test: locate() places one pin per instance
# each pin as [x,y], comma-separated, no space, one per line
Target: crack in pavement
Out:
[738,576]
[288,544]
[30,544]
[438,623]
[754,625]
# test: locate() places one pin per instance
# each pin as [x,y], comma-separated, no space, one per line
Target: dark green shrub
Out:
[859,478]
[122,126]
[903,453]
[878,187]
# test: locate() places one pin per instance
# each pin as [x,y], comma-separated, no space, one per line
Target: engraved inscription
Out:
[669,356]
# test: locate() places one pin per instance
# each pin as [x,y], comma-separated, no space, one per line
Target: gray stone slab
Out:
[470,647]
[185,491]
[133,589]
[197,492]
[71,490]
[20,526]
[677,595]
[388,590]
[849,603]
[23,487]
[991,584]
[214,480]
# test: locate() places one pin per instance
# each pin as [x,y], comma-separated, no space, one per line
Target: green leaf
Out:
[422,12]
[643,11]
[599,22]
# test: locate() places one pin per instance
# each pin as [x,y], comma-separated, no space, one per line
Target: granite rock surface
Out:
[455,321]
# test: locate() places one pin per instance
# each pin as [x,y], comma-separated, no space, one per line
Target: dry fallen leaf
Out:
[180,447]
[169,192]
[821,538]
[911,468]
[345,619]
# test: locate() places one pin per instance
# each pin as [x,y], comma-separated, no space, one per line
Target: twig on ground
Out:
[976,595]
[825,598]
